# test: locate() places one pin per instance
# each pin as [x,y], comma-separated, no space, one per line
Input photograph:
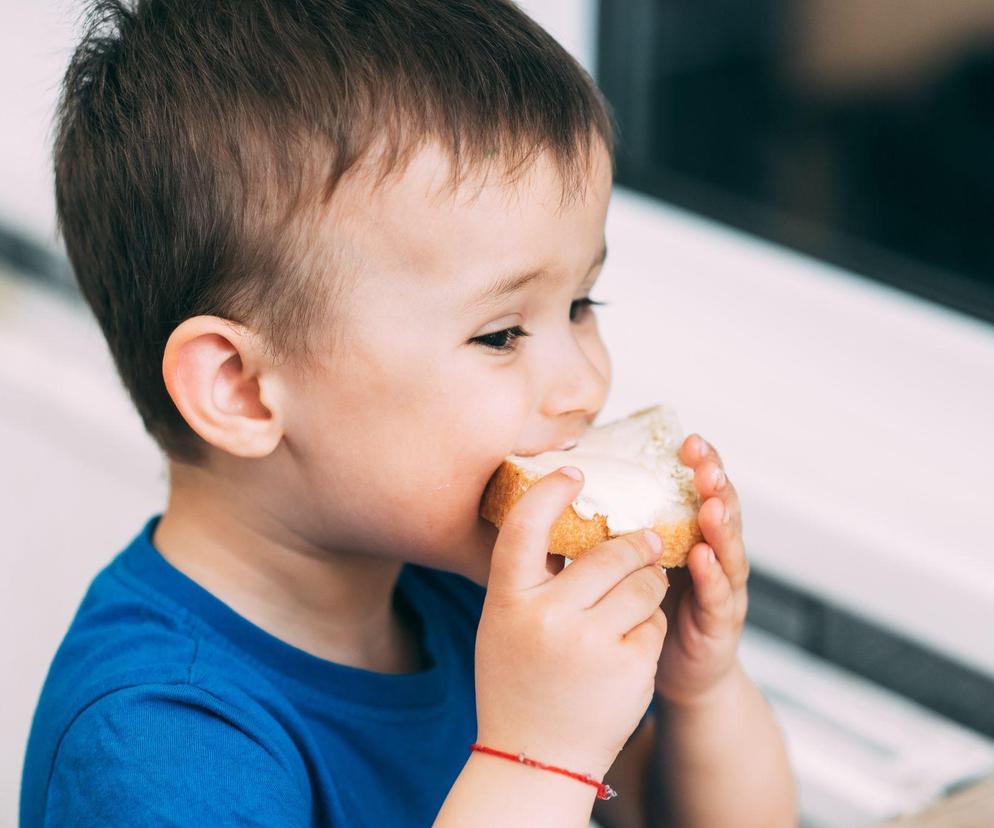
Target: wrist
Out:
[603,790]
[536,777]
[577,759]
[724,688]
[496,792]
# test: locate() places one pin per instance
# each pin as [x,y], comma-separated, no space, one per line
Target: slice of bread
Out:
[633,479]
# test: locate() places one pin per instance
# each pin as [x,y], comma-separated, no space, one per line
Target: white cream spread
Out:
[632,475]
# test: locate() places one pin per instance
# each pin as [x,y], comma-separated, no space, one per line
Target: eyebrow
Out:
[509,285]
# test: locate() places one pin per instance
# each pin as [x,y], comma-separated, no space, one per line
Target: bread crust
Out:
[572,535]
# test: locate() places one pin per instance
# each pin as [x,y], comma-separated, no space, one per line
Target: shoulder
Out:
[144,709]
[134,629]
[121,638]
[171,752]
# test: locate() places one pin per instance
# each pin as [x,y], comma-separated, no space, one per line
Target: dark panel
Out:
[874,652]
[893,181]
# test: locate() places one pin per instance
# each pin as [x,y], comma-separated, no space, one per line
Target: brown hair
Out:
[196,143]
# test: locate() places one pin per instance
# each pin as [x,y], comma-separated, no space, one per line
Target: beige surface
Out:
[972,807]
[856,45]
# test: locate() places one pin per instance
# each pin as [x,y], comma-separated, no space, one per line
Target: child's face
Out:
[396,434]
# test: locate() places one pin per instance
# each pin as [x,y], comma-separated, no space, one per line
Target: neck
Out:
[336,606]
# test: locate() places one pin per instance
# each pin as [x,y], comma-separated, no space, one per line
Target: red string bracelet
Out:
[604,791]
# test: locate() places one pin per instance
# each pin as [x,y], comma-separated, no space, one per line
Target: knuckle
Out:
[647,647]
[600,565]
[545,631]
[497,602]
[720,591]
[724,605]
[658,619]
[703,473]
[649,585]
[741,609]
[646,593]
[728,609]
[590,638]
[739,617]
[701,477]
[617,558]
[517,528]
[659,642]
[547,621]
[662,579]
[661,624]
[641,552]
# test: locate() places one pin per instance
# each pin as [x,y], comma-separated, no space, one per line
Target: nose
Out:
[577,379]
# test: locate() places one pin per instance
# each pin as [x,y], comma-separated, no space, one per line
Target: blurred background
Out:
[801,264]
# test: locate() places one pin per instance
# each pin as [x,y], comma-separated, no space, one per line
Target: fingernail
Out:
[711,558]
[654,541]
[717,478]
[572,471]
[702,446]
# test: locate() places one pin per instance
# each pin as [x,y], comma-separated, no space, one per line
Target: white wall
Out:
[572,22]
[854,420]
[36,40]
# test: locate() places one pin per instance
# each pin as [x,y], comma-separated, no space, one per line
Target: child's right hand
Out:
[565,663]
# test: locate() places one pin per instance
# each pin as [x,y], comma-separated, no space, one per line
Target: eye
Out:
[581,305]
[501,341]
[504,341]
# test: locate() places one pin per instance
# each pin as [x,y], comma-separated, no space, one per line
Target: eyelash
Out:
[511,334]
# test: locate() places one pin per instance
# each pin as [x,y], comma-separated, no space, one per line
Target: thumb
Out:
[519,557]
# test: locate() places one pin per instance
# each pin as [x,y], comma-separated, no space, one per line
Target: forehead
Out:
[415,225]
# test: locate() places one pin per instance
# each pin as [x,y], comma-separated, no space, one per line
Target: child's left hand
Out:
[706,603]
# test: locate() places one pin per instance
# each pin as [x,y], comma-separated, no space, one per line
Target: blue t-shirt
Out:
[165,707]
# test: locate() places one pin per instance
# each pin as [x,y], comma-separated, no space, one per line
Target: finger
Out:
[650,635]
[725,537]
[695,450]
[633,600]
[595,573]
[714,607]
[520,556]
[711,480]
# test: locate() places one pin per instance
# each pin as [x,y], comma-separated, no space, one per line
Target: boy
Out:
[304,310]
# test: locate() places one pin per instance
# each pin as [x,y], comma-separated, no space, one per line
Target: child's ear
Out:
[224,385]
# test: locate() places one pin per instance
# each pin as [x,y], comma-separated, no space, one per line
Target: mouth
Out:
[564,447]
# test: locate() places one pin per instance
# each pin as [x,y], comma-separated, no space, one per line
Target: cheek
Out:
[440,443]
[410,450]
[596,351]
[477,440]
[602,359]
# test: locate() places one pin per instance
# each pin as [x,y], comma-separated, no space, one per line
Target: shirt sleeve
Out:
[170,755]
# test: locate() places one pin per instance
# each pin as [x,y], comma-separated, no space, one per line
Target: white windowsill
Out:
[854,419]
